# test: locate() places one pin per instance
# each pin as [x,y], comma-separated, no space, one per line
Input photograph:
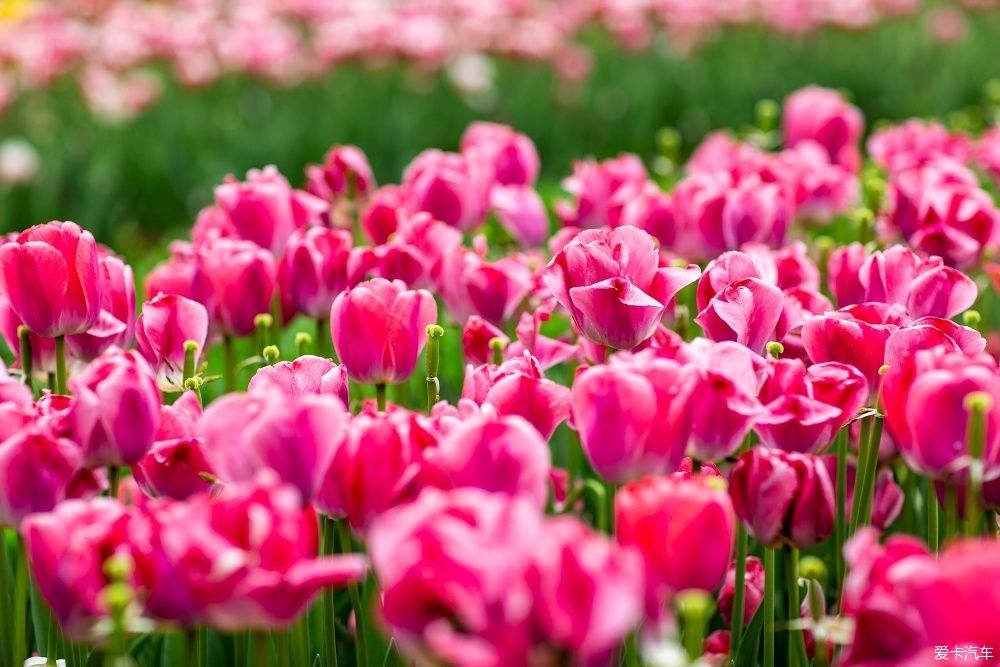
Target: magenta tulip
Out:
[116,323]
[313,270]
[510,156]
[37,470]
[116,409]
[746,312]
[633,415]
[601,189]
[379,328]
[453,188]
[521,211]
[303,376]
[165,324]
[471,285]
[175,466]
[753,593]
[52,278]
[345,172]
[822,115]
[235,281]
[476,338]
[173,275]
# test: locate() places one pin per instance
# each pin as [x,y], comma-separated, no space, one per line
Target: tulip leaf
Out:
[750,645]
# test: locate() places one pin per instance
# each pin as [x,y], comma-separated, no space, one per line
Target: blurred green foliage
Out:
[134,182]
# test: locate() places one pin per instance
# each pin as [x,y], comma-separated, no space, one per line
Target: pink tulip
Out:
[303,376]
[116,323]
[66,549]
[116,409]
[783,498]
[374,467]
[601,189]
[521,211]
[175,466]
[165,324]
[294,436]
[174,275]
[235,281]
[496,454]
[746,311]
[753,593]
[633,415]
[451,187]
[36,470]
[613,286]
[682,527]
[345,172]
[52,278]
[471,285]
[450,565]
[476,337]
[379,328]
[548,351]
[652,211]
[313,270]
[915,143]
[265,209]
[384,214]
[270,576]
[518,387]
[822,115]
[805,408]
[587,591]
[887,502]
[43,350]
[510,156]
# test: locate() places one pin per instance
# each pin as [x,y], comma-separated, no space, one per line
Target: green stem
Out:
[5,588]
[975,442]
[933,531]
[360,645]
[796,644]
[228,364]
[950,512]
[739,594]
[322,335]
[330,614]
[27,360]
[61,365]
[600,504]
[840,522]
[432,364]
[114,480]
[19,639]
[768,607]
[261,648]
[380,397]
[193,650]
[860,467]
[868,490]
[190,359]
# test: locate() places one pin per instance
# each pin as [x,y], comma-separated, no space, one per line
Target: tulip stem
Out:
[950,511]
[432,364]
[739,593]
[360,645]
[24,347]
[5,610]
[228,364]
[932,517]
[600,503]
[190,359]
[61,365]
[380,396]
[840,527]
[796,644]
[20,634]
[870,474]
[330,614]
[977,405]
[114,480]
[322,335]
[768,607]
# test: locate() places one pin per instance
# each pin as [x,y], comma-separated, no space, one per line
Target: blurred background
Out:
[123,114]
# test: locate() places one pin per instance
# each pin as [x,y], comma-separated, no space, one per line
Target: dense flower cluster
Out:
[670,381]
[113,48]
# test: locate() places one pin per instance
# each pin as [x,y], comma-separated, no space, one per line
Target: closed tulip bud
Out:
[235,281]
[522,213]
[682,527]
[633,415]
[510,156]
[753,595]
[823,116]
[116,323]
[345,172]
[451,187]
[116,409]
[36,470]
[52,278]
[164,327]
[783,498]
[313,270]
[379,328]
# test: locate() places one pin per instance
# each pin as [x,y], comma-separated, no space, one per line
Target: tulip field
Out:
[736,404]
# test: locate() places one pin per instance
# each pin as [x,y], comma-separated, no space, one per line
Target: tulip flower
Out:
[345,172]
[612,285]
[173,275]
[633,415]
[477,336]
[470,285]
[383,214]
[601,189]
[753,595]
[379,328]
[116,409]
[66,549]
[682,527]
[888,497]
[306,375]
[116,323]
[652,211]
[165,324]
[521,211]
[746,312]
[235,281]
[451,187]
[822,115]
[783,498]
[294,436]
[450,565]
[510,156]
[52,278]
[313,270]
[496,454]
[37,470]
[518,387]
[587,591]
[915,143]
[175,466]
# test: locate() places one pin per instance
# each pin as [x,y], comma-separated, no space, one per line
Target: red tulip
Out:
[682,527]
[613,286]
[165,324]
[783,497]
[496,454]
[379,328]
[383,214]
[235,281]
[313,270]
[116,409]
[633,415]
[52,278]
